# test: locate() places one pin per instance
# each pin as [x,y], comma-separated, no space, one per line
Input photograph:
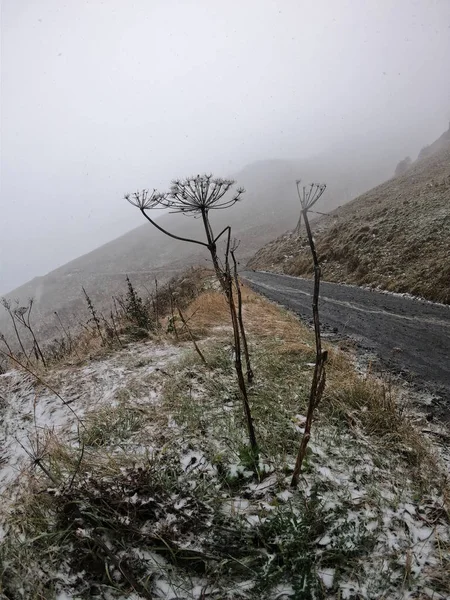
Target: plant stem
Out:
[241,320]
[197,349]
[319,376]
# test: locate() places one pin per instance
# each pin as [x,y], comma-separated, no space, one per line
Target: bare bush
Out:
[23,315]
[135,310]
[7,306]
[94,316]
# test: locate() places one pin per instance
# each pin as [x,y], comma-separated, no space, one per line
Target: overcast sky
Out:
[102,97]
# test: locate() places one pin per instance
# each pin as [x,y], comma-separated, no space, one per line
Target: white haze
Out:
[99,98]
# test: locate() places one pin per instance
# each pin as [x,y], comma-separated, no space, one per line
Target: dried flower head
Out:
[309,195]
[190,196]
[195,195]
[146,199]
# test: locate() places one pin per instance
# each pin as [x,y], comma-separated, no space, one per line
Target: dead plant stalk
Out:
[197,196]
[239,314]
[307,199]
[197,349]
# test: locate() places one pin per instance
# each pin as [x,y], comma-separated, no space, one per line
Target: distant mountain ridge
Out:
[440,144]
[396,236]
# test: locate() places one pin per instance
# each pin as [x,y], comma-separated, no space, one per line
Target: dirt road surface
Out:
[409,336]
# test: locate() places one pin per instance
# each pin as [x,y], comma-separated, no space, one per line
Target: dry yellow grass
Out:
[209,312]
[368,404]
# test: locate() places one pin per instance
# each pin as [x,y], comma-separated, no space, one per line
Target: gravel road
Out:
[409,336]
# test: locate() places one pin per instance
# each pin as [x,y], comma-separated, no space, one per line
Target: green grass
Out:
[112,424]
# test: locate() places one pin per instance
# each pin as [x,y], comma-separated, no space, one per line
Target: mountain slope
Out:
[268,208]
[396,236]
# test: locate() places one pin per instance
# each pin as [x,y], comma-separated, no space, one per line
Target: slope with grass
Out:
[397,236]
[267,209]
[155,494]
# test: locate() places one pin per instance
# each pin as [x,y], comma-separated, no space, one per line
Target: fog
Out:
[99,98]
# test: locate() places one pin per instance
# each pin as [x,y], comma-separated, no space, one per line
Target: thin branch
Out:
[227,228]
[197,349]
[172,235]
[37,461]
[69,337]
[77,467]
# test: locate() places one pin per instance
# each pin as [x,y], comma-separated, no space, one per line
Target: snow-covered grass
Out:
[156,495]
[31,413]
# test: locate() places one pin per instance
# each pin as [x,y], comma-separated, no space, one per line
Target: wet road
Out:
[410,336]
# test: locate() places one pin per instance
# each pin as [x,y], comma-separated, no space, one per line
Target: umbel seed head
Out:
[191,196]
[201,194]
[309,195]
[145,199]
